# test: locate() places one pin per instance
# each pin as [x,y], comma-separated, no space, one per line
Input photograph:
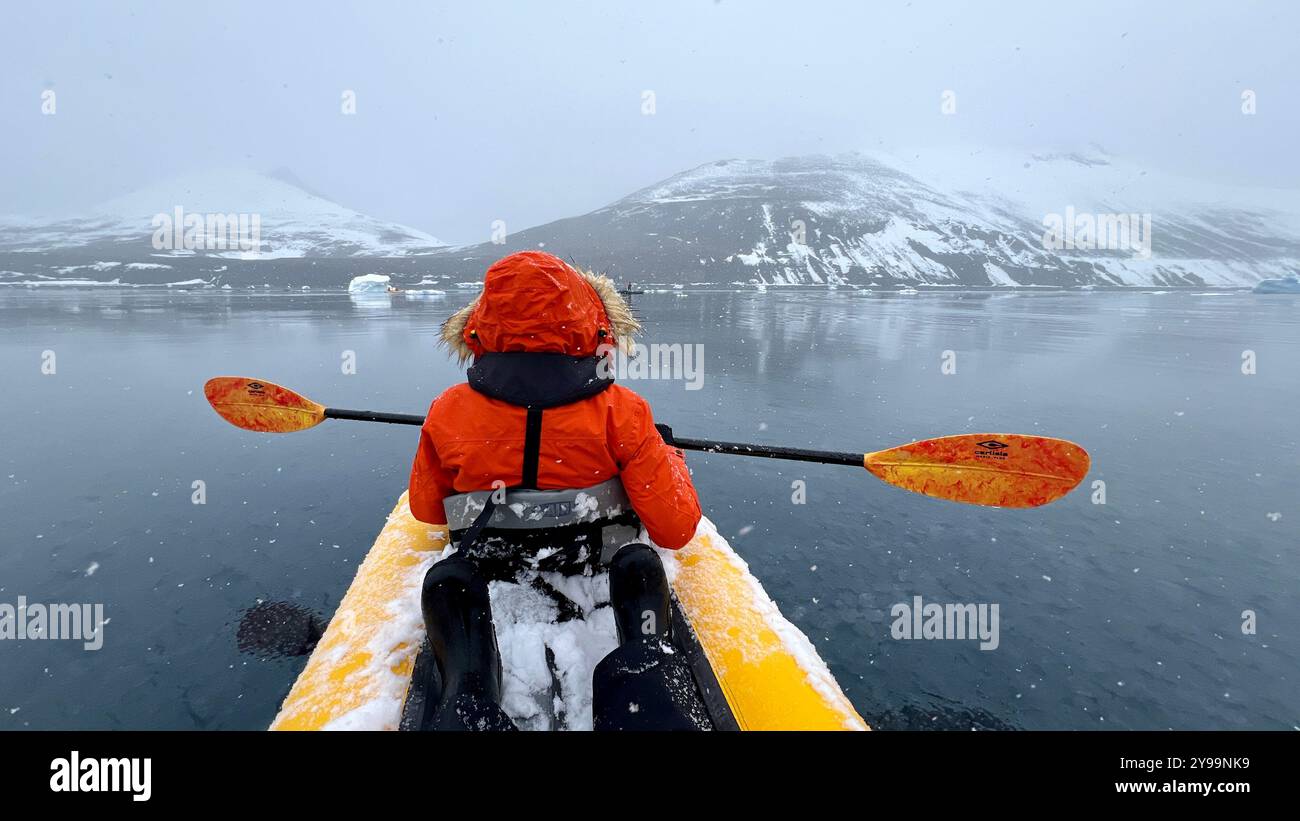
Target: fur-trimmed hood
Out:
[535,302]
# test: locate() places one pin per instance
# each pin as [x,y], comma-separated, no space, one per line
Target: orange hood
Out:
[535,302]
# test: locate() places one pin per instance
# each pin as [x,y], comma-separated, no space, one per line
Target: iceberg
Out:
[369,284]
[1289,284]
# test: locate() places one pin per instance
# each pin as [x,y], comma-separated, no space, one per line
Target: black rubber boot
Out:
[458,620]
[638,592]
[646,684]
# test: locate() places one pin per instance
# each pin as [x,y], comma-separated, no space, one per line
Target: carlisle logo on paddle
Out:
[991,449]
[256,389]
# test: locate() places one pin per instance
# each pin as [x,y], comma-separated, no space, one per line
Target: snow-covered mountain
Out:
[951,217]
[941,218]
[242,212]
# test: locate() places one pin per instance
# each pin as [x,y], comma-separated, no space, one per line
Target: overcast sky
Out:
[478,111]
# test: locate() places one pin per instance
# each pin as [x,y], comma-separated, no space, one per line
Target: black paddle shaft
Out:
[827,457]
[374,416]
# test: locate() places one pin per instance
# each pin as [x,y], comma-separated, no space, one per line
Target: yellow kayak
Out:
[755,669]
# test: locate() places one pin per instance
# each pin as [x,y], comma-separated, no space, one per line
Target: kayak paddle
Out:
[995,469]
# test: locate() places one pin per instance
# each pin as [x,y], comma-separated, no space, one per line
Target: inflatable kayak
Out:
[751,667]
[754,669]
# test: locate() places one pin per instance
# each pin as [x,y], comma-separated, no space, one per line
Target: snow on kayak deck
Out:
[526,626]
[358,676]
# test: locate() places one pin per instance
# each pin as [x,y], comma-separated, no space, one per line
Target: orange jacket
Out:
[535,334]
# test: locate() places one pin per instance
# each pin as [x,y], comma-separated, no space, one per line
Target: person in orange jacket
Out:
[540,411]
[537,335]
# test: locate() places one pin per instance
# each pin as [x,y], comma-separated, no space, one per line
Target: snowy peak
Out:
[964,217]
[290,221]
[220,191]
[843,182]
[288,177]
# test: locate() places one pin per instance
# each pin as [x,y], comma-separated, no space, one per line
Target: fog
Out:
[475,112]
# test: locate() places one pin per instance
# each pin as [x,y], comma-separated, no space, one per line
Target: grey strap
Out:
[526,509]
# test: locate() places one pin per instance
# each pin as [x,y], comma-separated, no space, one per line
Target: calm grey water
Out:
[1126,614]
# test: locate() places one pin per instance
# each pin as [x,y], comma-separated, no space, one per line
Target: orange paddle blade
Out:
[996,469]
[255,404]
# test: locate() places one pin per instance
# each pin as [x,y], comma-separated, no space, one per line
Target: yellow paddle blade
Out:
[255,404]
[996,469]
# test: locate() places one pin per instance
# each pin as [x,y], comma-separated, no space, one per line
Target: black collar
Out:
[538,380]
